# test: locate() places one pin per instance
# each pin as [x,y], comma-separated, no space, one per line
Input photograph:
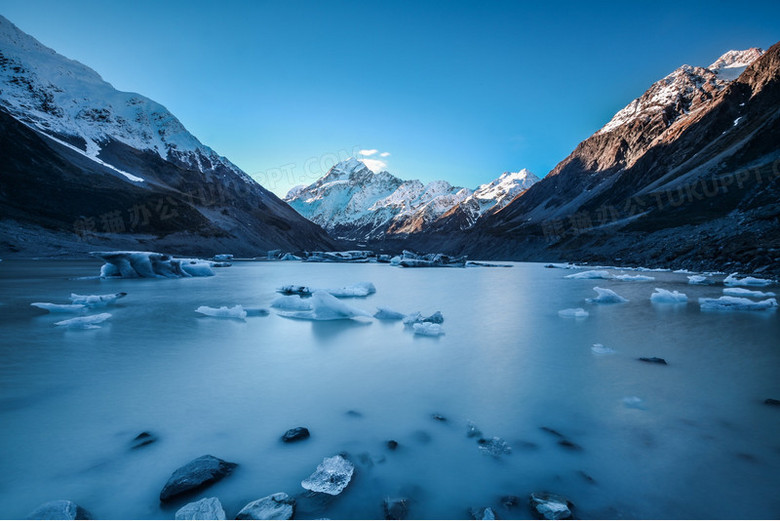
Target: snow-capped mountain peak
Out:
[64,98]
[734,59]
[353,202]
[683,91]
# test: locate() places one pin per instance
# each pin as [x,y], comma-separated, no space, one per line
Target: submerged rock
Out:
[331,477]
[196,474]
[510,502]
[653,360]
[494,446]
[275,506]
[771,401]
[568,444]
[550,506]
[439,417]
[296,434]
[59,509]
[396,508]
[206,508]
[472,431]
[142,440]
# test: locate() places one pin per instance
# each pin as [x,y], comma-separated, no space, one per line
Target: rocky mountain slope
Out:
[86,166]
[353,202]
[688,173]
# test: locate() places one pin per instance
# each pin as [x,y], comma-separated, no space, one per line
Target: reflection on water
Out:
[699,443]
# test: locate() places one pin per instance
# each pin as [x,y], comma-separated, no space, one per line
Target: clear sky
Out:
[461,91]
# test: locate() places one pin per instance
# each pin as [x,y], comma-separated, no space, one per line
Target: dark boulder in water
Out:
[439,417]
[296,434]
[396,508]
[195,475]
[569,445]
[653,360]
[772,401]
[59,509]
[392,444]
[142,440]
[550,506]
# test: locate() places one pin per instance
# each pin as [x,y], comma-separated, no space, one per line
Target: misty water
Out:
[700,444]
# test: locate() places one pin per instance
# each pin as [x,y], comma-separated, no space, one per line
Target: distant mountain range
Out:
[86,166]
[686,174]
[352,202]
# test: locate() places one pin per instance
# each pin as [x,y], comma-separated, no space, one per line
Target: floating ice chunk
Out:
[294,289]
[635,278]
[683,271]
[663,296]
[417,318]
[87,322]
[236,311]
[60,308]
[573,313]
[606,296]
[736,304]
[388,314]
[223,257]
[325,306]
[741,292]
[361,289]
[590,274]
[290,257]
[633,402]
[331,477]
[732,280]
[134,264]
[395,261]
[698,279]
[291,303]
[427,329]
[95,301]
[561,265]
[601,349]
[206,508]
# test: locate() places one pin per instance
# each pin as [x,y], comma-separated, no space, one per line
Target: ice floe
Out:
[698,280]
[427,329]
[494,446]
[291,303]
[94,301]
[634,402]
[135,264]
[601,349]
[323,306]
[236,311]
[732,280]
[331,476]
[573,313]
[741,292]
[635,278]
[590,274]
[727,303]
[87,322]
[664,296]
[60,308]
[409,259]
[418,318]
[606,296]
[388,314]
[361,289]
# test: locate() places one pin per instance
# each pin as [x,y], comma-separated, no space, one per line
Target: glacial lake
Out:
[700,443]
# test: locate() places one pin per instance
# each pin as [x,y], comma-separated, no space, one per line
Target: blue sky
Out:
[461,91]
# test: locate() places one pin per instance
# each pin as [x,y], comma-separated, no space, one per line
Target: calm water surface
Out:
[701,444]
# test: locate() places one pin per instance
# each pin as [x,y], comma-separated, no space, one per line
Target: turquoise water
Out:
[701,443]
